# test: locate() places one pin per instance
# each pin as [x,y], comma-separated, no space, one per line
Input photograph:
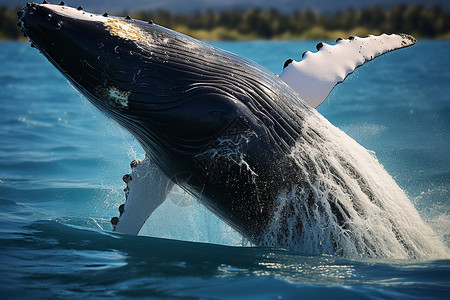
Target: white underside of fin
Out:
[317,74]
[147,188]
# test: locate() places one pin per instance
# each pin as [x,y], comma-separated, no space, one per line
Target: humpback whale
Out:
[247,143]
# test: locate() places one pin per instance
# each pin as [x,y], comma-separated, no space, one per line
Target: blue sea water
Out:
[61,164]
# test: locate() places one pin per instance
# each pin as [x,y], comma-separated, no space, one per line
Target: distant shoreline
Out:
[257,24]
[316,33]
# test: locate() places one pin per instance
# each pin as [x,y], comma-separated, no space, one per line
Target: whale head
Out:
[78,44]
[158,84]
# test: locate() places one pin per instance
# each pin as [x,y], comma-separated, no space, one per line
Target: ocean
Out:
[61,168]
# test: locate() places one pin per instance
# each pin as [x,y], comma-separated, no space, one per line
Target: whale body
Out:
[234,135]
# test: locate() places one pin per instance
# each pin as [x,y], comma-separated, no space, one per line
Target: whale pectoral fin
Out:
[318,73]
[147,187]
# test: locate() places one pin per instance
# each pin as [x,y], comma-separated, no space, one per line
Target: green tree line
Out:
[420,21]
[8,28]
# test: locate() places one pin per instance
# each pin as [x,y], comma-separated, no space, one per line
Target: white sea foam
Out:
[349,204]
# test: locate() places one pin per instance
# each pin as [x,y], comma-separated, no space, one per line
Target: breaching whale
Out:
[244,141]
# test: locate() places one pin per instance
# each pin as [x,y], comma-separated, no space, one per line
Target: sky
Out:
[190,6]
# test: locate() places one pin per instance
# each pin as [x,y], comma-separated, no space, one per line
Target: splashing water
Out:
[348,204]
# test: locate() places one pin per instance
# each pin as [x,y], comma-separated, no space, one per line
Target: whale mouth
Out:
[75,42]
[43,23]
[38,23]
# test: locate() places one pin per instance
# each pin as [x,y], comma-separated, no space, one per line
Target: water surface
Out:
[61,164]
